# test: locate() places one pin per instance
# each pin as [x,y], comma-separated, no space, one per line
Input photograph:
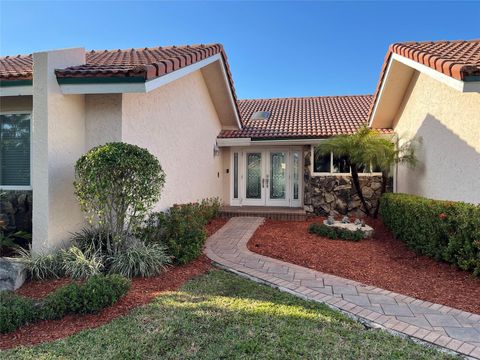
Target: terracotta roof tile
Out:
[458,59]
[309,117]
[148,63]
[16,67]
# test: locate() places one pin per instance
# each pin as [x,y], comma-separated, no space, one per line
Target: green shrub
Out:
[42,266]
[140,259]
[116,185]
[181,228]
[63,301]
[15,311]
[445,230]
[335,233]
[96,293]
[92,240]
[100,291]
[81,265]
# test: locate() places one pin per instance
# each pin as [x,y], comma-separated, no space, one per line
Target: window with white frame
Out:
[15,137]
[329,164]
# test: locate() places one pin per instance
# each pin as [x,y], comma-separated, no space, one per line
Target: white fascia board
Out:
[249,142]
[227,142]
[462,86]
[382,86]
[22,90]
[230,94]
[459,85]
[165,79]
[141,87]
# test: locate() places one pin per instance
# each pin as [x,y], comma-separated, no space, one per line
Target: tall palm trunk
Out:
[356,183]
[382,191]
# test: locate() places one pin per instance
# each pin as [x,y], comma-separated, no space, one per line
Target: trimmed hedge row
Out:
[445,230]
[96,293]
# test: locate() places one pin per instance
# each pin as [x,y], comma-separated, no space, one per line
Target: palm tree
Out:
[367,148]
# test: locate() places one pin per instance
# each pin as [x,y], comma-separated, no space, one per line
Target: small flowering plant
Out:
[442,216]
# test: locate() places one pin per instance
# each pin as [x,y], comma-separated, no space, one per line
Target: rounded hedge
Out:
[117,183]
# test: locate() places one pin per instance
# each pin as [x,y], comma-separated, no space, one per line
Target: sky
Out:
[275,49]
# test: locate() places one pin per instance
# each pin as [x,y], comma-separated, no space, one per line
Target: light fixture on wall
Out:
[216,150]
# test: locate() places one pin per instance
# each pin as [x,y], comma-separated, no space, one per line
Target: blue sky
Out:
[275,49]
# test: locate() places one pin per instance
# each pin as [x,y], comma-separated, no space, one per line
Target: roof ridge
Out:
[308,97]
[159,47]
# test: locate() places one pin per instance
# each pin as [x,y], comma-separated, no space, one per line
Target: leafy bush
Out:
[81,265]
[15,311]
[335,233]
[94,294]
[181,230]
[116,185]
[92,240]
[41,266]
[63,301]
[445,230]
[140,259]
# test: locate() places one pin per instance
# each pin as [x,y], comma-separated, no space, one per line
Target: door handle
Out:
[267,180]
[263,183]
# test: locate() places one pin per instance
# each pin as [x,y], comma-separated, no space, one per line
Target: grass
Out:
[222,316]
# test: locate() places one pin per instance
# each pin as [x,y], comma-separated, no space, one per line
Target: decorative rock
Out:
[345,220]
[367,230]
[12,274]
[367,192]
[330,220]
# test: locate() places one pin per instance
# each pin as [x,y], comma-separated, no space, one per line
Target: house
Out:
[180,104]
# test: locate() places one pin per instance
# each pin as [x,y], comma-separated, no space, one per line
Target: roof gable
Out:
[455,61]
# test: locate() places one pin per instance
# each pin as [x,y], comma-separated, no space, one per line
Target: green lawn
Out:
[222,316]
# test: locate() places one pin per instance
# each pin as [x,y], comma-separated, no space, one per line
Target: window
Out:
[235,175]
[322,164]
[15,150]
[340,165]
[261,115]
[329,164]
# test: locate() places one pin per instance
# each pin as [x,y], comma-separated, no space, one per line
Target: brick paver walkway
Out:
[443,326]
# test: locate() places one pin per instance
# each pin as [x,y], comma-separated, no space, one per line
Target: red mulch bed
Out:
[142,291]
[381,261]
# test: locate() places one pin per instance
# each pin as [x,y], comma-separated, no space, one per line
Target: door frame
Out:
[241,199]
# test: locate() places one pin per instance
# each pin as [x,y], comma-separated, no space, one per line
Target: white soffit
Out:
[16,90]
[462,86]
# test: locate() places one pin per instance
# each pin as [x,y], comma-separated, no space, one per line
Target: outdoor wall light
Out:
[216,150]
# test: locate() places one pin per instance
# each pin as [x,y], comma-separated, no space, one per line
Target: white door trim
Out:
[265,169]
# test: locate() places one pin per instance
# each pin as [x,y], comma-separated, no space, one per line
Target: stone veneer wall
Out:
[334,195]
[16,210]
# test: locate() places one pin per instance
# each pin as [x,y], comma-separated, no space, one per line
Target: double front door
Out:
[270,177]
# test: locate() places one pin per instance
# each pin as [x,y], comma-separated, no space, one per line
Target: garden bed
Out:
[380,261]
[141,292]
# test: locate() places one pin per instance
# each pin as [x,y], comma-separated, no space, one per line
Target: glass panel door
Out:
[277,178]
[296,171]
[278,168]
[254,183]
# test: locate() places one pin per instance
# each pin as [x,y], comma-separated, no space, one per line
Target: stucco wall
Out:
[58,141]
[179,125]
[103,119]
[449,157]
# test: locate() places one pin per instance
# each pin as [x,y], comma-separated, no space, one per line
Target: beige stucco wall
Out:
[16,103]
[103,119]
[448,122]
[58,141]
[179,125]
